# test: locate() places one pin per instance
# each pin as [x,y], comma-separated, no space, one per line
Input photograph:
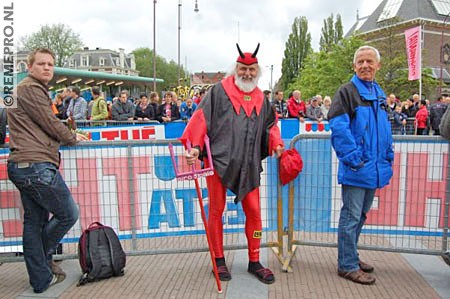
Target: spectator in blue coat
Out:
[187,108]
[361,136]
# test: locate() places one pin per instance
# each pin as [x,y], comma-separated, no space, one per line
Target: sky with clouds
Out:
[207,37]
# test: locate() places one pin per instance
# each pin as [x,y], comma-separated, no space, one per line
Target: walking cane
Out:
[194,175]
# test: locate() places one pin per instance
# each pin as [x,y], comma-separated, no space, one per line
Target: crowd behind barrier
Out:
[131,186]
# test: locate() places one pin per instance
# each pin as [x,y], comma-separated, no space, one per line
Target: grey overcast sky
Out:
[208,37]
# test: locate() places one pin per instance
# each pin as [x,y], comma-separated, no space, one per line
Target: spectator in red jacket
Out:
[296,107]
[421,118]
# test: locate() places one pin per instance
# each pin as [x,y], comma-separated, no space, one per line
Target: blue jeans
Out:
[356,204]
[42,191]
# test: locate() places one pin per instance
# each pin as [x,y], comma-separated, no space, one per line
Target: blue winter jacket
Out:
[361,134]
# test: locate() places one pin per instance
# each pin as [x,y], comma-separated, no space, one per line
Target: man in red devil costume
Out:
[241,126]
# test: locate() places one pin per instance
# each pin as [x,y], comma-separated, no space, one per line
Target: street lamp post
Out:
[179,37]
[179,34]
[154,45]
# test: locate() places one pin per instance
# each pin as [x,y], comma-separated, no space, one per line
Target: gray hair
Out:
[362,48]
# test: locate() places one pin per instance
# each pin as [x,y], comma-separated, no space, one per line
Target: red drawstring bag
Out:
[291,164]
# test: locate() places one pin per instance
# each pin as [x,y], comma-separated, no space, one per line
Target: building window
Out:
[101,61]
[390,10]
[71,62]
[84,60]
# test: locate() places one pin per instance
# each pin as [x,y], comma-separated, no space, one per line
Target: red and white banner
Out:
[413,51]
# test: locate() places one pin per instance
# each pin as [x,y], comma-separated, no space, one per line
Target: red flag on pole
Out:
[413,51]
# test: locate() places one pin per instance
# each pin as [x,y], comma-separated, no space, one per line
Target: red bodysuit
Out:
[242,131]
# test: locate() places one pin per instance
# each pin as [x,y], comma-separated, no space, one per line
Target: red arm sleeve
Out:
[195,130]
[275,137]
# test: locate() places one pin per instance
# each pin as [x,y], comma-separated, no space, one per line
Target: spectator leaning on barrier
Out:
[361,136]
[154,101]
[187,108]
[409,108]
[34,159]
[296,107]
[77,109]
[437,110]
[313,111]
[242,128]
[99,107]
[123,109]
[144,111]
[421,118]
[399,121]
[280,104]
[168,111]
[326,106]
[66,102]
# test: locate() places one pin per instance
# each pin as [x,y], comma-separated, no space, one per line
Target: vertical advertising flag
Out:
[413,51]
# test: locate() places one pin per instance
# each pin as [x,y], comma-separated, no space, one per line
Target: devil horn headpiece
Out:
[240,51]
[256,51]
[247,58]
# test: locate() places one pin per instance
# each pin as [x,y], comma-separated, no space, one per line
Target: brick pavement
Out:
[189,276]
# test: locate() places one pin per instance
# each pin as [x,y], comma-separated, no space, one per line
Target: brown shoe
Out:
[366,267]
[358,276]
[56,269]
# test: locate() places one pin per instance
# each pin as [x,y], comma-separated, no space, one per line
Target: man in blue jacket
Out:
[361,136]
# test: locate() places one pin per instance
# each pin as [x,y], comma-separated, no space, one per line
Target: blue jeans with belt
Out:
[356,204]
[42,191]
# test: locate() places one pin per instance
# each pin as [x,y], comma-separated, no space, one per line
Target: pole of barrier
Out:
[132,198]
[277,247]
[447,207]
[291,247]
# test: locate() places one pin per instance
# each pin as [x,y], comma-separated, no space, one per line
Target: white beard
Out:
[245,86]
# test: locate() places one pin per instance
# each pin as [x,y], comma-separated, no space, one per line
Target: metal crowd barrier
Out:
[131,186]
[409,129]
[409,215]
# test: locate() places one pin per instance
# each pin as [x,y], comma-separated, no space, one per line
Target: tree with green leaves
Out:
[332,32]
[165,70]
[60,38]
[298,47]
[324,71]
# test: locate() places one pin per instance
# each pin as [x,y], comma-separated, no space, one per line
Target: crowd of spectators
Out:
[416,116]
[125,108]
[411,116]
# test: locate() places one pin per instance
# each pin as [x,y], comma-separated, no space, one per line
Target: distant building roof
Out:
[404,10]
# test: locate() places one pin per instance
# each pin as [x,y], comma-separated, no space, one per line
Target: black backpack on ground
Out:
[100,253]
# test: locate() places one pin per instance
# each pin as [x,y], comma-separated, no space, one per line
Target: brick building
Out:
[395,16]
[206,79]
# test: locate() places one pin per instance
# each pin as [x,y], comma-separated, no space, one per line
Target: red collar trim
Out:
[248,101]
